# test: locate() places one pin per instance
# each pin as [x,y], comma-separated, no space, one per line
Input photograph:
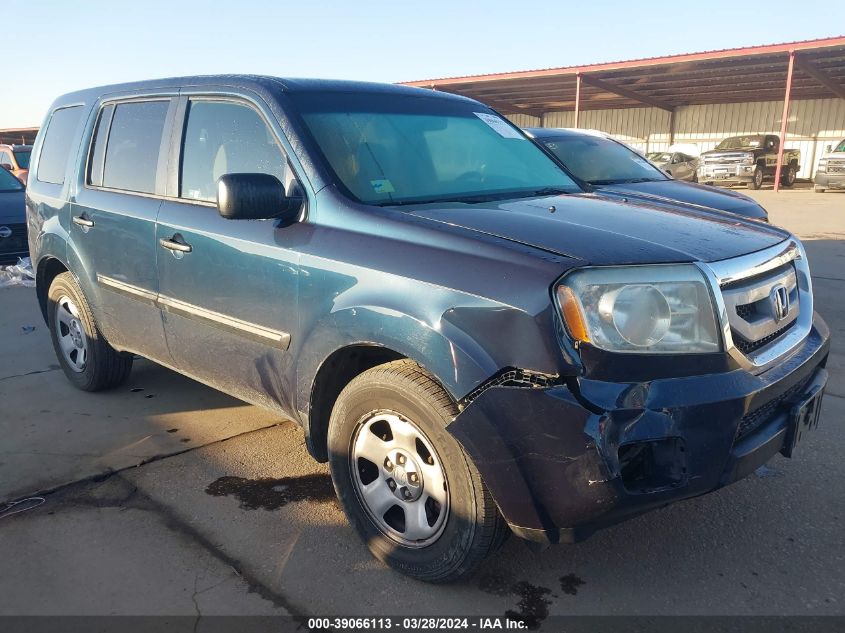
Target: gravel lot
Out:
[231,516]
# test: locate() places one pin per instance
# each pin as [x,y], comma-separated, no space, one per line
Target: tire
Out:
[85,356]
[394,401]
[787,178]
[818,190]
[757,179]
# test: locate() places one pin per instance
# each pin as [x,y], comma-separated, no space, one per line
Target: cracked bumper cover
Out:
[552,464]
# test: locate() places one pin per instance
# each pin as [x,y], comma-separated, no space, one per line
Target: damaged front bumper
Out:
[563,461]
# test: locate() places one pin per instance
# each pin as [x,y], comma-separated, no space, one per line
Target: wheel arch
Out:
[49,267]
[335,372]
[354,340]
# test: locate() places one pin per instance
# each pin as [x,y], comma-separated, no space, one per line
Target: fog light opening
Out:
[653,465]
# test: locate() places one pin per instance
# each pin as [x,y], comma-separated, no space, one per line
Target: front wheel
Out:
[85,356]
[405,483]
[757,179]
[818,190]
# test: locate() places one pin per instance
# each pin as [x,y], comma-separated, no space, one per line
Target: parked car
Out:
[830,172]
[15,158]
[13,242]
[748,159]
[611,169]
[678,165]
[474,345]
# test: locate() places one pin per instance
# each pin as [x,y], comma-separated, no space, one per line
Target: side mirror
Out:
[6,166]
[255,197]
[829,148]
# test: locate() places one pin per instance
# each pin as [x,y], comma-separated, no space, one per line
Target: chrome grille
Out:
[765,302]
[836,167]
[726,159]
[17,241]
[752,306]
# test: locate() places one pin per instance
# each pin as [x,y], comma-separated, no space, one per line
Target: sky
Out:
[56,46]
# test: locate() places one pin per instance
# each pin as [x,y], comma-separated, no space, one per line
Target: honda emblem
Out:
[780,303]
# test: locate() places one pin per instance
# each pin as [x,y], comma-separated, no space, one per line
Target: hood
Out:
[12,208]
[603,232]
[669,191]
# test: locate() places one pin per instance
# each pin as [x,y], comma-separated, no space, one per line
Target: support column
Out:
[784,119]
[672,127]
[577,98]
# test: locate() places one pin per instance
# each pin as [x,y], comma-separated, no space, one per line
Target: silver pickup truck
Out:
[830,173]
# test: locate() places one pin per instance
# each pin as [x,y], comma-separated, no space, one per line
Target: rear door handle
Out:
[173,245]
[83,220]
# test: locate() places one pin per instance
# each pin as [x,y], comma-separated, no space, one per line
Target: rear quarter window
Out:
[61,131]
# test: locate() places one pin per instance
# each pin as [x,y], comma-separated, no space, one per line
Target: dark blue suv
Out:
[476,345]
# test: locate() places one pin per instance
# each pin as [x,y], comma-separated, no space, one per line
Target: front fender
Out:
[462,339]
[454,358]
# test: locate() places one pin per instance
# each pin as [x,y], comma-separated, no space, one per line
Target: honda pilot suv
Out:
[474,344]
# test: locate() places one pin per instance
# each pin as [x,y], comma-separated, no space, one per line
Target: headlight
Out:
[822,164]
[748,159]
[646,309]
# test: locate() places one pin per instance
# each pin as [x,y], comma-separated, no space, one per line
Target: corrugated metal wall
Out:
[812,125]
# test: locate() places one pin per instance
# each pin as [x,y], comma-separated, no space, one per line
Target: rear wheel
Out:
[87,359]
[787,178]
[406,485]
[757,179]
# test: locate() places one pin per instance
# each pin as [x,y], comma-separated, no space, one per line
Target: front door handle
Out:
[83,220]
[173,245]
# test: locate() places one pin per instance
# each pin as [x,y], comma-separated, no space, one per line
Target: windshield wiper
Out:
[478,199]
[622,181]
[550,191]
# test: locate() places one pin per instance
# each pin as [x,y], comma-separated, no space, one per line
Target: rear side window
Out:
[57,145]
[225,138]
[132,147]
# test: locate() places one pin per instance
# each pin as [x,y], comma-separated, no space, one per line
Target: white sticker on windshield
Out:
[500,125]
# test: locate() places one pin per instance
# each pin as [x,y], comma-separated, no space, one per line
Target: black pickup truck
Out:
[749,159]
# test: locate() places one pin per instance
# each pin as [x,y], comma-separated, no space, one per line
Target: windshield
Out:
[8,182]
[840,147]
[602,161]
[741,142]
[388,149]
[22,156]
[660,157]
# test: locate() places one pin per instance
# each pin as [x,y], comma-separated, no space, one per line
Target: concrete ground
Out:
[214,506]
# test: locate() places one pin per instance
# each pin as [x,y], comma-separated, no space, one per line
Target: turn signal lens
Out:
[570,308]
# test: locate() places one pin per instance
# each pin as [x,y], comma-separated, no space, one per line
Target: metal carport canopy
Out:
[811,69]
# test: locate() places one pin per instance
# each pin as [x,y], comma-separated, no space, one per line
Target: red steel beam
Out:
[819,75]
[772,49]
[784,119]
[624,92]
